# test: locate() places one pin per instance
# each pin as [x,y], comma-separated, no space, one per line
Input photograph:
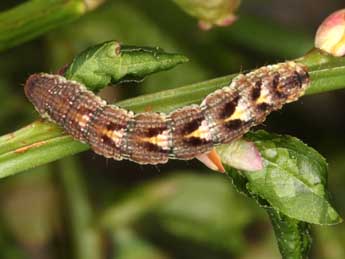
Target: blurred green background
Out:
[90,207]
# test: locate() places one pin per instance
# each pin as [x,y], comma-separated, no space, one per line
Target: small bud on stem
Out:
[211,12]
[330,36]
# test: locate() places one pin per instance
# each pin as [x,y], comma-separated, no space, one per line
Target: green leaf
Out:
[293,181]
[293,236]
[117,24]
[110,62]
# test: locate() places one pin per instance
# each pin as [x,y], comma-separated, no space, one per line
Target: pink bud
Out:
[224,21]
[330,36]
[211,12]
[241,154]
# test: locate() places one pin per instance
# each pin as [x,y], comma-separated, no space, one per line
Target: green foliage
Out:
[110,62]
[114,22]
[211,220]
[287,43]
[85,237]
[35,145]
[133,246]
[35,17]
[293,236]
[293,181]
[292,185]
[215,219]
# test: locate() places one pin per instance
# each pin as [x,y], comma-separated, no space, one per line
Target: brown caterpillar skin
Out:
[153,138]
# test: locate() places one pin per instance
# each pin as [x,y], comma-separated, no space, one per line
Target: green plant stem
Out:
[43,142]
[293,236]
[86,238]
[33,18]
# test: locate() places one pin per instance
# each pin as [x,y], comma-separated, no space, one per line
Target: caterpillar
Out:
[152,137]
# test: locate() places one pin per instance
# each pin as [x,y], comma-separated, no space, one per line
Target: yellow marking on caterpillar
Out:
[237,115]
[159,140]
[261,99]
[153,140]
[196,133]
[264,97]
[115,135]
[201,132]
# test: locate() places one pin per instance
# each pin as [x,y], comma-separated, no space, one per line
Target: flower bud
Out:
[330,36]
[241,154]
[211,12]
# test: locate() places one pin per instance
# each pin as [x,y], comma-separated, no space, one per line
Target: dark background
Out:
[204,217]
